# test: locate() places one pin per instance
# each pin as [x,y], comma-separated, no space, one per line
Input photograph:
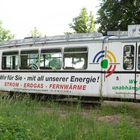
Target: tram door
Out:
[138,72]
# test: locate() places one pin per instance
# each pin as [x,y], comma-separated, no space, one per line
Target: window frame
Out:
[47,51]
[14,60]
[76,50]
[129,58]
[28,53]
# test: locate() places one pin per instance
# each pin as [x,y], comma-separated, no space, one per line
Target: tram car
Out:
[86,65]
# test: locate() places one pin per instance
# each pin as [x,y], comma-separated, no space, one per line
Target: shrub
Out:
[13,129]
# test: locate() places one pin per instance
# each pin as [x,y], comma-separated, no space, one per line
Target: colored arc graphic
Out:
[107,61]
[98,56]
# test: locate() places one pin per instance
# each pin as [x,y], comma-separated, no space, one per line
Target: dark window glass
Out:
[10,60]
[29,59]
[128,57]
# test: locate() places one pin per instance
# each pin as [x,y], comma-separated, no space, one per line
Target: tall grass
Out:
[26,119]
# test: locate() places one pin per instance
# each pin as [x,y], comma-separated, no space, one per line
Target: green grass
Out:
[26,119]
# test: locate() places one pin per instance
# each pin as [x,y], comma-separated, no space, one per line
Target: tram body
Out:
[85,65]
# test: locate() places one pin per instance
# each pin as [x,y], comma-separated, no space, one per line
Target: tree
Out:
[35,33]
[118,14]
[83,23]
[5,35]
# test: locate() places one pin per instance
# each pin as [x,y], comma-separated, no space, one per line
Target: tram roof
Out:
[54,39]
[120,36]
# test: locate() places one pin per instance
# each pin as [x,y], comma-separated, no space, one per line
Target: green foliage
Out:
[5,35]
[55,63]
[13,129]
[35,33]
[83,23]
[127,131]
[116,15]
[26,119]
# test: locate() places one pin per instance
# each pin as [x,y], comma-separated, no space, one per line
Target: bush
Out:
[13,129]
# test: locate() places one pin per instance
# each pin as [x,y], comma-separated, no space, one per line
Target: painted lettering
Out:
[33,85]
[67,86]
[11,84]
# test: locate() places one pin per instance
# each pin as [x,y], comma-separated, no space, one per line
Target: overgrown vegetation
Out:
[26,119]
[5,34]
[83,23]
[115,15]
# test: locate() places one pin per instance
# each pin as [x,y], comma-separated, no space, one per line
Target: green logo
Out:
[104,64]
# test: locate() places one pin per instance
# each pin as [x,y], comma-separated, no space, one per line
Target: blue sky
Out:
[51,17]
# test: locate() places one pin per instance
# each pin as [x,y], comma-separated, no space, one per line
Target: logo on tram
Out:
[107,61]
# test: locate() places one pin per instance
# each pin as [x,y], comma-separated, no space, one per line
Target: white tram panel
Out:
[119,84]
[78,83]
[104,76]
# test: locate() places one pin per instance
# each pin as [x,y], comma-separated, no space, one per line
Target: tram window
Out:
[29,59]
[128,57]
[139,58]
[75,58]
[10,60]
[51,59]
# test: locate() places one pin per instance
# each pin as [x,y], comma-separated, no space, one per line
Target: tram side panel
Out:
[119,80]
[69,83]
[85,82]
[105,75]
[94,67]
